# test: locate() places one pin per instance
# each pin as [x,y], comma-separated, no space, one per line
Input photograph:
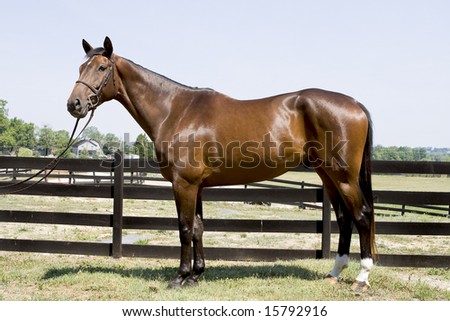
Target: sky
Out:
[393,56]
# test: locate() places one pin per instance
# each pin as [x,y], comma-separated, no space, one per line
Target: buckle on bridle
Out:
[93,101]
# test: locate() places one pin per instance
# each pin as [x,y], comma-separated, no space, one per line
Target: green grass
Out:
[62,277]
[28,276]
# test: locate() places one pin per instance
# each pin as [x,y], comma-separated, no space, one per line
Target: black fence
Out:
[128,179]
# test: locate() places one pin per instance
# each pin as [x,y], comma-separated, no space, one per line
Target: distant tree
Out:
[15,133]
[61,141]
[111,144]
[24,152]
[23,133]
[386,153]
[4,120]
[143,147]
[7,140]
[419,153]
[93,133]
[405,153]
[46,139]
[6,136]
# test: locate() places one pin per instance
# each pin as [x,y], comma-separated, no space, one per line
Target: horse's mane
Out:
[101,51]
[155,74]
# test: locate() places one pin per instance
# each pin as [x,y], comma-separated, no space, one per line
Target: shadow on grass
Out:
[212,273]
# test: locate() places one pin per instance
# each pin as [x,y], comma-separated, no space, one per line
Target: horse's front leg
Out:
[199,257]
[185,199]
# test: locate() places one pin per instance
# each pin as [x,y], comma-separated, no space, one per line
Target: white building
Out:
[92,148]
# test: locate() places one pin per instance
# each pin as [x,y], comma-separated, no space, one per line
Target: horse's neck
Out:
[147,96]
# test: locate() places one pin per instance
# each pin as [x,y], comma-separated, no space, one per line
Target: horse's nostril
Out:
[74,105]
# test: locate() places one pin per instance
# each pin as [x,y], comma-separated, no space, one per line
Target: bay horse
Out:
[204,138]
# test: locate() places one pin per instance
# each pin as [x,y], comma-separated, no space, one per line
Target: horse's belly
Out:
[237,176]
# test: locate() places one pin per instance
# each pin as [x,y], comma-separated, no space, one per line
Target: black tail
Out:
[365,182]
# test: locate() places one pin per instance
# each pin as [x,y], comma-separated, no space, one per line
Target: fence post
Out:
[118,205]
[326,225]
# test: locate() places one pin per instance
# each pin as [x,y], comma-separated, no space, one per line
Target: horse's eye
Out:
[101,67]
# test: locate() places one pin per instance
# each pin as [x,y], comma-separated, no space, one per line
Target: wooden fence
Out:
[118,179]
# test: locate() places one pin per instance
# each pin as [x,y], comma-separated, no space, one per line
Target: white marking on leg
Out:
[340,264]
[366,266]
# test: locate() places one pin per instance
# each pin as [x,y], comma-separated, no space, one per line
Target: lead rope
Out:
[52,165]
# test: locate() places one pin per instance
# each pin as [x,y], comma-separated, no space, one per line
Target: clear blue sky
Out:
[393,56]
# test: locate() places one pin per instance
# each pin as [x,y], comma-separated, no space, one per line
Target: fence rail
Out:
[110,184]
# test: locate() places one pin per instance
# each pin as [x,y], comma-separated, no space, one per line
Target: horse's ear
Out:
[86,46]
[107,44]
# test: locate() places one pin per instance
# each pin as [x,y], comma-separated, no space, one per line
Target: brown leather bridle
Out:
[94,99]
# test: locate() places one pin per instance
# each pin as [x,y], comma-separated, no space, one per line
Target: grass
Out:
[28,276]
[61,277]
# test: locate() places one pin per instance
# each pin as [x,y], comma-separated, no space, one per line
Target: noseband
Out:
[94,99]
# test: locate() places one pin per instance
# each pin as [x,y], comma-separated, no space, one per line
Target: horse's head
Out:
[96,83]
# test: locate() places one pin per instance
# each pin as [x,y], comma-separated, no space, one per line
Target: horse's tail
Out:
[365,182]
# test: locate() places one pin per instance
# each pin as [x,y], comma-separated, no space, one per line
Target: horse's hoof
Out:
[331,279]
[175,284]
[360,286]
[190,281]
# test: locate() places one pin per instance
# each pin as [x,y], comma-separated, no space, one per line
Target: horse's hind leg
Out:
[348,203]
[361,217]
[345,228]
[345,235]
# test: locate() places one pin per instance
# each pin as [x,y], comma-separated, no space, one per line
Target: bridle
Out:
[94,99]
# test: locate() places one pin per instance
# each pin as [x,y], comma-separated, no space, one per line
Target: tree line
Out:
[20,138]
[404,153]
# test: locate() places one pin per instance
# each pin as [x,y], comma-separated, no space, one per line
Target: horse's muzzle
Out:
[76,108]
